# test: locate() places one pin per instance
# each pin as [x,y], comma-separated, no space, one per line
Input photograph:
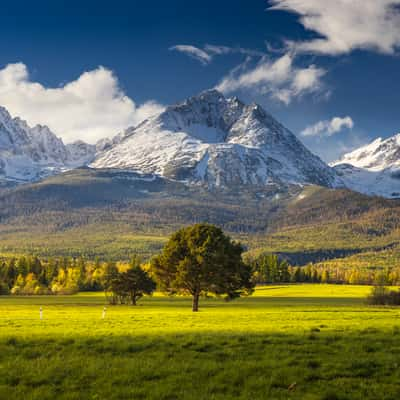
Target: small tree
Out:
[201,259]
[381,295]
[135,283]
[131,285]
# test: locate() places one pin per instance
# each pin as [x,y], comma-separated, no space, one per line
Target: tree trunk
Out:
[195,304]
[133,298]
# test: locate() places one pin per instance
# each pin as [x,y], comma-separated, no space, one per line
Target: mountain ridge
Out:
[217,141]
[204,140]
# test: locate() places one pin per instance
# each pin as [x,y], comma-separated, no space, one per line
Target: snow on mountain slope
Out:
[217,141]
[376,156]
[374,183]
[373,169]
[29,154]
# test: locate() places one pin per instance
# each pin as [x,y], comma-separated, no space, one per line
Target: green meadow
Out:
[283,342]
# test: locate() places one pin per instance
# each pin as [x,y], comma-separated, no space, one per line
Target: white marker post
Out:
[104,313]
[41,313]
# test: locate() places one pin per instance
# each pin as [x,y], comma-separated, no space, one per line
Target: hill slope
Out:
[111,213]
[324,224]
[66,213]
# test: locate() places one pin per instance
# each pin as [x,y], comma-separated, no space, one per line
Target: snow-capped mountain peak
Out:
[205,140]
[29,154]
[216,141]
[376,156]
[373,168]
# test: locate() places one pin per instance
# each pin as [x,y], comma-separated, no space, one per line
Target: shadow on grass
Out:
[317,364]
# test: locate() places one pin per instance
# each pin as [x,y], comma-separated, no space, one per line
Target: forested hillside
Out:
[323,224]
[111,214]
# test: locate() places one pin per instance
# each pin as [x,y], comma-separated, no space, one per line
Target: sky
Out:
[88,69]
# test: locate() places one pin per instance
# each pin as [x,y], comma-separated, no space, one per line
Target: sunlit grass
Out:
[284,342]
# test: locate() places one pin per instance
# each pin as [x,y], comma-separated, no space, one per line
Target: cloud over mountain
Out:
[329,128]
[279,78]
[88,108]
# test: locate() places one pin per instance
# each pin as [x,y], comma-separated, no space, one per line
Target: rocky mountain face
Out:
[373,169]
[29,154]
[217,141]
[208,141]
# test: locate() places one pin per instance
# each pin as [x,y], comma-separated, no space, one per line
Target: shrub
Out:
[381,295]
[16,290]
[4,290]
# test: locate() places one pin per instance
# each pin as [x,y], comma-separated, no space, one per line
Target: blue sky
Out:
[331,77]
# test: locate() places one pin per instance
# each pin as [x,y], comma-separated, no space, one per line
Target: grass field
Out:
[284,342]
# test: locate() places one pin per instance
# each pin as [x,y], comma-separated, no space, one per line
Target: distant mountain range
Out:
[207,140]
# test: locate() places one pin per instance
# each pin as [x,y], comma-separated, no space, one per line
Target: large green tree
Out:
[201,259]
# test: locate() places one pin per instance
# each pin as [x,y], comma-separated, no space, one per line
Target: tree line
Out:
[269,268]
[197,260]
[34,276]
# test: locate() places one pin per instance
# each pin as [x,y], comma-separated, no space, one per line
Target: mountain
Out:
[208,159]
[29,154]
[206,140]
[373,169]
[217,141]
[114,214]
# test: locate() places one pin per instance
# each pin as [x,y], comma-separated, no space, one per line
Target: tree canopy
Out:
[201,259]
[269,268]
[129,286]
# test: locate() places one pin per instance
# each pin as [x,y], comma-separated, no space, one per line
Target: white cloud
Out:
[194,52]
[218,50]
[307,78]
[279,78]
[222,50]
[346,25]
[207,54]
[329,128]
[88,108]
